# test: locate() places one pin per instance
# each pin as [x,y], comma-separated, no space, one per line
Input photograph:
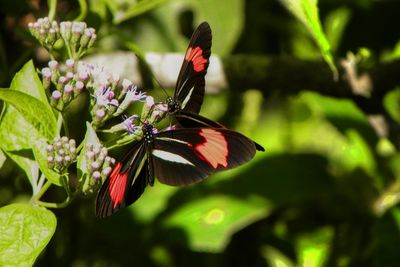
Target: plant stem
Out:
[42,191]
[83,8]
[41,181]
[62,123]
[61,205]
[52,8]
[65,126]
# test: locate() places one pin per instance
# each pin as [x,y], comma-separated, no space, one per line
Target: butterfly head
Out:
[173,105]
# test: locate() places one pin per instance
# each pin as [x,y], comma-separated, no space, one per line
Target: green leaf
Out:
[226,18]
[16,132]
[3,158]
[391,103]
[335,24]
[313,248]
[40,154]
[98,7]
[210,222]
[29,166]
[306,11]
[27,81]
[162,32]
[25,231]
[34,111]
[346,131]
[137,8]
[276,258]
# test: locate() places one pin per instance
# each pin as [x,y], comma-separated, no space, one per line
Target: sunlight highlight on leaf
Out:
[209,222]
[313,248]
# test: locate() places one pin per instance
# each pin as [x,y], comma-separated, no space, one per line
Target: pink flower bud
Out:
[100,113]
[96,175]
[53,64]
[56,95]
[46,73]
[68,89]
[70,63]
[62,80]
[95,165]
[69,75]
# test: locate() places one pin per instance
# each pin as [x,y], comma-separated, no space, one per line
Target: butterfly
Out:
[195,149]
[176,157]
[190,85]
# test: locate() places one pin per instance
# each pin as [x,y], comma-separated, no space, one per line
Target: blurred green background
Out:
[324,193]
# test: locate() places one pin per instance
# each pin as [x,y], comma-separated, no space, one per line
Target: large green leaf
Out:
[226,18]
[210,222]
[347,134]
[307,12]
[34,111]
[162,31]
[16,132]
[25,231]
[27,81]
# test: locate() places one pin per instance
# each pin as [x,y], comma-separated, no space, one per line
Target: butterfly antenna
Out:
[156,81]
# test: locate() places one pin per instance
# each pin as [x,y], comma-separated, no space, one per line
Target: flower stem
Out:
[43,190]
[83,9]
[52,8]
[61,205]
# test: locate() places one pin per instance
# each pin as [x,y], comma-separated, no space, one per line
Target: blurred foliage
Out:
[325,192]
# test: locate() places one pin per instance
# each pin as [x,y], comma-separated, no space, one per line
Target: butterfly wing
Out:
[185,156]
[192,120]
[189,90]
[125,184]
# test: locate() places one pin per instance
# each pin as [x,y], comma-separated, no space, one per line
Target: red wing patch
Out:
[117,185]
[196,56]
[215,148]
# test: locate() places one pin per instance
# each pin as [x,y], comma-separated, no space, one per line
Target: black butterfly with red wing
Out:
[181,156]
[189,89]
[190,85]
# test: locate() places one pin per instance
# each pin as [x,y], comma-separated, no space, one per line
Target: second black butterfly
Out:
[189,89]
